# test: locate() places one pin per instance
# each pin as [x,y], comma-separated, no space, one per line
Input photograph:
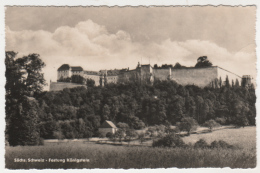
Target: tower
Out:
[246,81]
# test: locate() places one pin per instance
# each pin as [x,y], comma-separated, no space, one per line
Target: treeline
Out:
[78,112]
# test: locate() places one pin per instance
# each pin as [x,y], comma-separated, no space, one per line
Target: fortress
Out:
[213,76]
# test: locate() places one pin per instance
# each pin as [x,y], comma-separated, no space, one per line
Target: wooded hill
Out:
[77,112]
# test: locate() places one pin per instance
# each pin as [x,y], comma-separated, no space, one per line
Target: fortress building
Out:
[213,76]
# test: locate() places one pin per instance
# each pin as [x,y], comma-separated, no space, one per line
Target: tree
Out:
[109,135]
[23,81]
[221,120]
[122,126]
[90,83]
[178,66]
[77,79]
[120,134]
[203,62]
[220,82]
[211,124]
[23,128]
[170,140]
[201,144]
[241,121]
[187,124]
[237,83]
[106,112]
[141,137]
[23,75]
[227,82]
[130,134]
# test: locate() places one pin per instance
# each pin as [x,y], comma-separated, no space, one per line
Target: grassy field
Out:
[108,156]
[243,137]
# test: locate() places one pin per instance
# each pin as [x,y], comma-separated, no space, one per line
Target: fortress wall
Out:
[161,74]
[146,70]
[197,76]
[57,86]
[231,76]
[127,76]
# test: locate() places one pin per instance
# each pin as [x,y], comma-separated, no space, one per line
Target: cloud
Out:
[91,46]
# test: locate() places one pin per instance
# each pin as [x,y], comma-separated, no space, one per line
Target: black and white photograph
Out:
[130,87]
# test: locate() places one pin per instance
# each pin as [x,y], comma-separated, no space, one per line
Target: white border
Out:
[119,3]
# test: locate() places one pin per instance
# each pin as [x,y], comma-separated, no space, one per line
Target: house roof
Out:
[108,124]
[76,68]
[145,65]
[91,72]
[112,72]
[64,67]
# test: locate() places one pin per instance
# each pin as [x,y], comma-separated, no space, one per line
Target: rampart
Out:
[57,86]
[161,73]
[205,76]
[197,76]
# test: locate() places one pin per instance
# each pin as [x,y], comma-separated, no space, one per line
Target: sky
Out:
[119,37]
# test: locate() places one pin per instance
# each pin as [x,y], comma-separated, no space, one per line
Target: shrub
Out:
[101,135]
[170,140]
[141,137]
[58,135]
[187,124]
[41,141]
[211,124]
[220,144]
[201,144]
[221,121]
[109,135]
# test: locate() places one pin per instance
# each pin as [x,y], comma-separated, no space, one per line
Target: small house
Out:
[107,126]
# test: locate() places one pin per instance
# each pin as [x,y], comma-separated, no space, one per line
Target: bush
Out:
[187,124]
[220,144]
[109,135]
[201,144]
[170,140]
[221,121]
[41,141]
[211,124]
[141,137]
[101,135]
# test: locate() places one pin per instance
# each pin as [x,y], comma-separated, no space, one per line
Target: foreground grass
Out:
[243,137]
[107,156]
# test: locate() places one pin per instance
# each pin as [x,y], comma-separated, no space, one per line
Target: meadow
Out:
[109,156]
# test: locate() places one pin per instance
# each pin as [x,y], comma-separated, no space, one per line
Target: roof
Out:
[76,68]
[145,65]
[91,72]
[108,124]
[112,72]
[64,67]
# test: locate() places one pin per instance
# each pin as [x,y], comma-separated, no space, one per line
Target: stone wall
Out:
[145,73]
[197,76]
[128,76]
[161,73]
[57,86]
